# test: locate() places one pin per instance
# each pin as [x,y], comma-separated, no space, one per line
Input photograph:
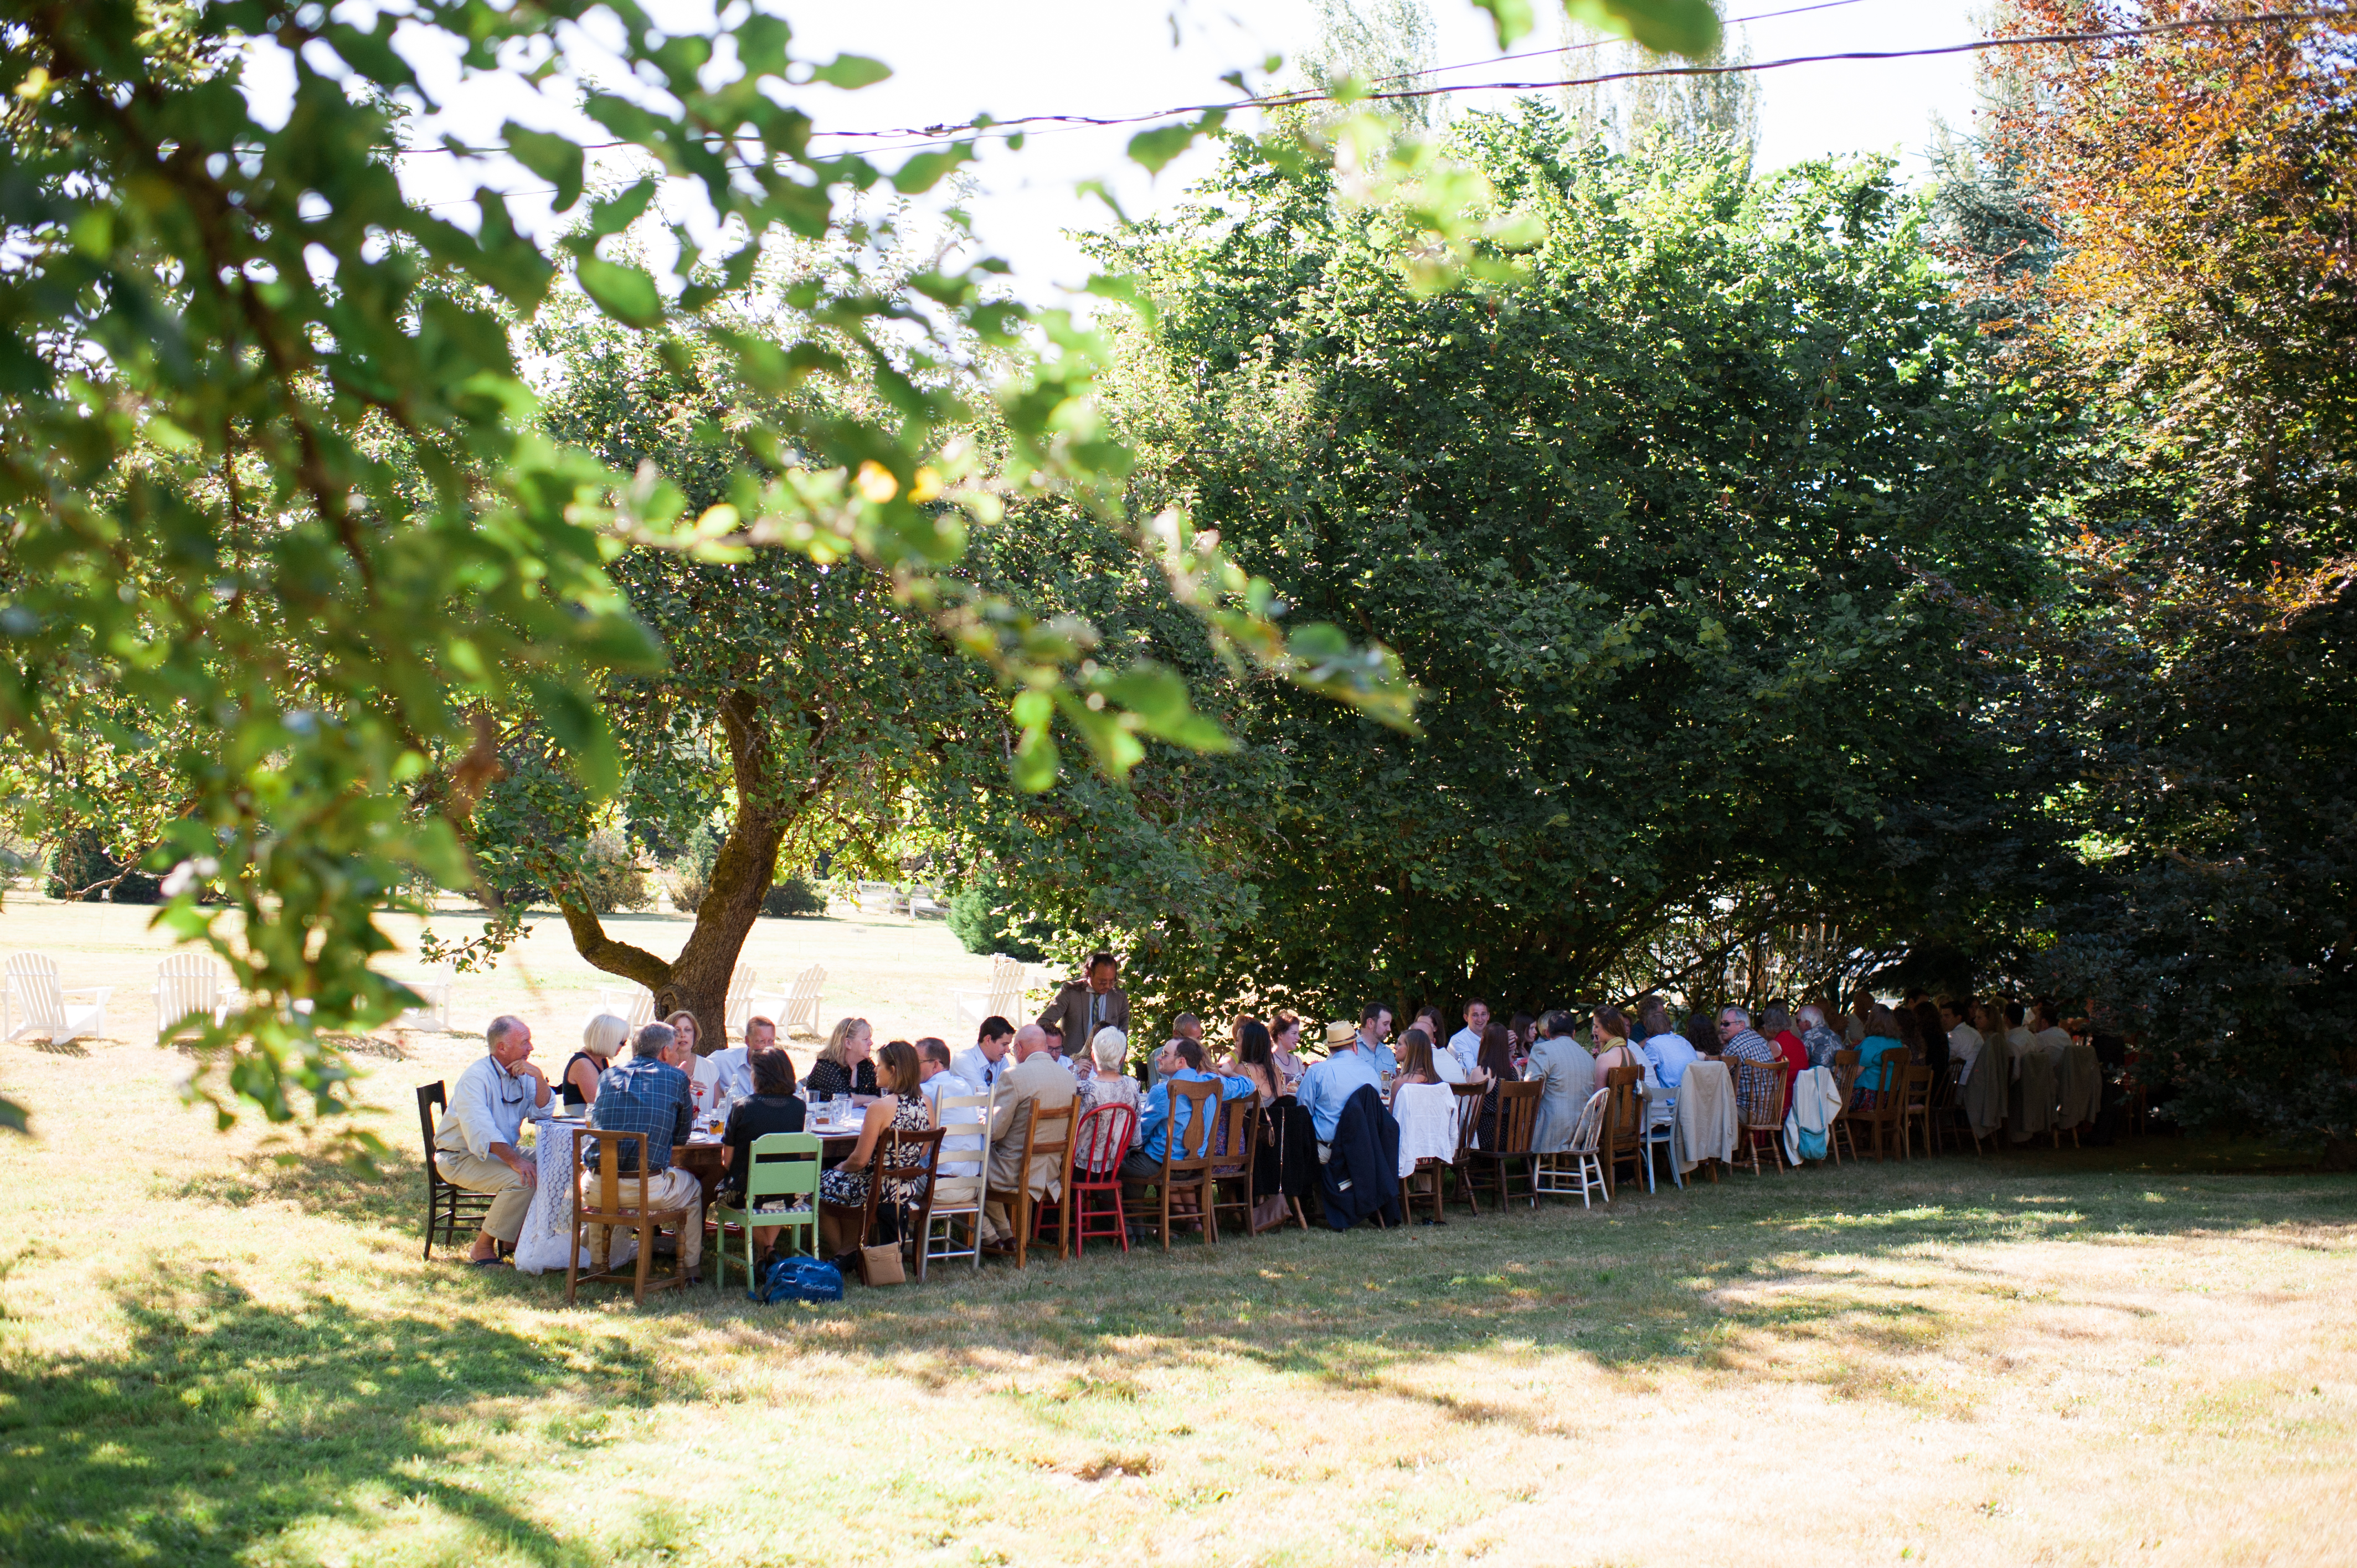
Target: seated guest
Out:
[901,1105]
[1741,1042]
[1108,1085]
[648,1094]
[935,1075]
[1257,1059]
[704,1078]
[842,1065]
[733,1063]
[1415,1058]
[1776,1027]
[1817,1036]
[1562,1064]
[1036,1083]
[1882,1037]
[1608,1028]
[1285,1045]
[1964,1040]
[773,1107]
[477,1145]
[2050,1033]
[1701,1031]
[1162,1120]
[1495,1064]
[981,1063]
[1670,1052]
[1361,1063]
[2016,1036]
[600,1039]
[1855,1023]
[1933,1034]
[1466,1044]
[1186,1026]
[1055,1043]
[1521,1035]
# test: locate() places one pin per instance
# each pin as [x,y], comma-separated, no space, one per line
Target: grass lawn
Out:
[2143,1355]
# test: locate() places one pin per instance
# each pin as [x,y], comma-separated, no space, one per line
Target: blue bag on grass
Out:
[800,1279]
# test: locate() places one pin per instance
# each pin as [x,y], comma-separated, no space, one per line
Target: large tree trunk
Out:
[697,981]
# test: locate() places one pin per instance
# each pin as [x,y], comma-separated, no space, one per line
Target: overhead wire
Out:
[1003,129]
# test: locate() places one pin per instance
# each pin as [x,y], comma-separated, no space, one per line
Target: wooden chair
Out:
[1622,1141]
[1837,1130]
[1951,1103]
[1884,1102]
[33,981]
[449,1208]
[1759,1111]
[1518,1114]
[959,1194]
[609,1211]
[1235,1178]
[1423,1181]
[1576,1168]
[1281,1121]
[776,1166]
[1027,1213]
[1187,1157]
[907,1159]
[1469,1097]
[1915,1110]
[189,993]
[1103,1137]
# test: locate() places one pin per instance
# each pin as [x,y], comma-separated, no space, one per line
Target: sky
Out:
[952,58]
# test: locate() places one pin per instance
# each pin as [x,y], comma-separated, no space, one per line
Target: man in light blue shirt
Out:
[1163,1121]
[1328,1085]
[477,1145]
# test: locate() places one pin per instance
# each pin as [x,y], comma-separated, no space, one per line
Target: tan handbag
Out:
[881,1265]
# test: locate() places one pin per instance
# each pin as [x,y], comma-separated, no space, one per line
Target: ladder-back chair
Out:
[1759,1111]
[1837,1130]
[778,1165]
[962,1181]
[1509,1142]
[1470,1097]
[909,1160]
[1623,1139]
[1048,1139]
[1234,1179]
[1883,1102]
[1577,1169]
[607,1213]
[1187,1157]
[450,1208]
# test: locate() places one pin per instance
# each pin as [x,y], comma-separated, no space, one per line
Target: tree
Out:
[2201,190]
[1723,108]
[1688,521]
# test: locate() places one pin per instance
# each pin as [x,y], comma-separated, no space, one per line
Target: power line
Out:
[1005,128]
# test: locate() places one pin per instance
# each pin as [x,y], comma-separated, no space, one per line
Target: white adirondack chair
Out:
[33,983]
[434,1013]
[634,1005]
[798,1008]
[1003,998]
[191,990]
[739,1010]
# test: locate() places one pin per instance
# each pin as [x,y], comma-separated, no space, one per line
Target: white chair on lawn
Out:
[634,1005]
[1003,998]
[960,1180]
[738,1009]
[876,897]
[33,981]
[190,992]
[433,1011]
[1576,1168]
[925,904]
[798,1008]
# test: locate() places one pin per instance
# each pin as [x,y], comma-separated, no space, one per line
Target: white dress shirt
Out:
[488,1105]
[1964,1043]
[1466,1046]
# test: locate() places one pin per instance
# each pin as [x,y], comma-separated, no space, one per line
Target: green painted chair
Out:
[779,1165]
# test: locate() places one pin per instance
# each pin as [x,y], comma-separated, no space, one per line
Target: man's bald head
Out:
[1029,1041]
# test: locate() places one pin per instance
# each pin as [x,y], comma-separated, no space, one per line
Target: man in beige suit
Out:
[1037,1081]
[1085,1006]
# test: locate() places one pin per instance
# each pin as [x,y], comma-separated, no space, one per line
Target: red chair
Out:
[1104,1138]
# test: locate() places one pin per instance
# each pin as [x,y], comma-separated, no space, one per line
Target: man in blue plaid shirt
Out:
[649,1095]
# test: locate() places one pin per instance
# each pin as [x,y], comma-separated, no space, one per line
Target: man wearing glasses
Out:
[1737,1038]
[476,1146]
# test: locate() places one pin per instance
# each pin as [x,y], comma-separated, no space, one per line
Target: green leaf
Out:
[554,158]
[1513,19]
[627,294]
[1688,27]
[1158,147]
[852,72]
[926,170]
[1035,761]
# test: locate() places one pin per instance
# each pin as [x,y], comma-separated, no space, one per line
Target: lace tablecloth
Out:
[548,1223]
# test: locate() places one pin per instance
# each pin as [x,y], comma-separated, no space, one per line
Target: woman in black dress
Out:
[772,1108]
[600,1039]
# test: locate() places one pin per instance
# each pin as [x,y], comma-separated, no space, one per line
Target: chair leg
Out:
[573,1265]
[646,1252]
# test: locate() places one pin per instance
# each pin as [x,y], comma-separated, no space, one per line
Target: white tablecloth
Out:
[548,1223]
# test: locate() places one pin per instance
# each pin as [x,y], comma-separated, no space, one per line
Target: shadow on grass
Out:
[1871,1259]
[224,1422]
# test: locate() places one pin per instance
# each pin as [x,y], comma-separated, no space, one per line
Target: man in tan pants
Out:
[476,1148]
[649,1095]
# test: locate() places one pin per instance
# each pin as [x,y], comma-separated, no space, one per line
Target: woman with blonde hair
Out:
[703,1072]
[600,1039]
[844,1065]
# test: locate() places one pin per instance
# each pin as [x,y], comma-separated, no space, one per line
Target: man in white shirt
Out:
[732,1064]
[2051,1034]
[2016,1038]
[477,1145]
[1466,1044]
[1964,1042]
[936,1079]
[982,1063]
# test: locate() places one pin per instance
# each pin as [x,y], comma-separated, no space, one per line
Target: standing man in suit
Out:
[1085,1006]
